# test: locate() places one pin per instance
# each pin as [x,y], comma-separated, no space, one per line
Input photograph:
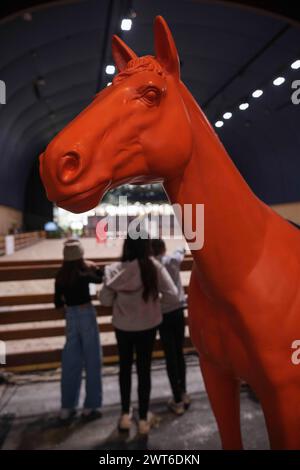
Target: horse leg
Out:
[223,390]
[224,395]
[282,415]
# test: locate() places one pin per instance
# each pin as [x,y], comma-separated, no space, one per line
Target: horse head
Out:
[135,131]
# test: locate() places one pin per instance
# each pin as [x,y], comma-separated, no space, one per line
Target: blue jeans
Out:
[82,350]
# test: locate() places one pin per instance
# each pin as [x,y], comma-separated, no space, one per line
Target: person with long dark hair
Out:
[134,287]
[82,347]
[172,328]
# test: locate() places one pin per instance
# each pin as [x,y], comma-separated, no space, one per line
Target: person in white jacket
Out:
[134,288]
[172,328]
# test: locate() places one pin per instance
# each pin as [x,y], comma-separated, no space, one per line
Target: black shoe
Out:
[66,418]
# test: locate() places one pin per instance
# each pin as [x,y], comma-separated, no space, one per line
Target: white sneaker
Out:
[177,408]
[125,421]
[146,424]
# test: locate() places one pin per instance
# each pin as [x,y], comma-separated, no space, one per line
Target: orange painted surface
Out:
[244,295]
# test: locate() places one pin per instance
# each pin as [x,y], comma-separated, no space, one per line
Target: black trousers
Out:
[171,333]
[142,343]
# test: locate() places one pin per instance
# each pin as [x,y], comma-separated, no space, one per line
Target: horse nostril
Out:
[69,167]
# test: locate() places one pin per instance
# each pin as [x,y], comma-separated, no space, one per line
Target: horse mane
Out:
[146,63]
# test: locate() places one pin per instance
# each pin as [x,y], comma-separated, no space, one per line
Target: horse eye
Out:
[151,96]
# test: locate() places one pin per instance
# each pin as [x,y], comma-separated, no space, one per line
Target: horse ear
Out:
[165,48]
[121,53]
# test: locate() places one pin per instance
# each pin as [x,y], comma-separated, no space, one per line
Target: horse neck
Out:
[234,219]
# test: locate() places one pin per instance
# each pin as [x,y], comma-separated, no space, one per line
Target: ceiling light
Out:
[126,24]
[296,65]
[227,115]
[110,69]
[243,106]
[257,93]
[219,124]
[278,81]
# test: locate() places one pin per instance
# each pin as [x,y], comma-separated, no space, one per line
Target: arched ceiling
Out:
[53,61]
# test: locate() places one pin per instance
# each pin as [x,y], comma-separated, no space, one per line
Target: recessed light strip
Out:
[257,94]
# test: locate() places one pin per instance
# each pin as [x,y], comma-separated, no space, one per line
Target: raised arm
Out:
[177,256]
[95,273]
[166,286]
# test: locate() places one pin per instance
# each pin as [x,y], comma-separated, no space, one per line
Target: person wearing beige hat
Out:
[82,347]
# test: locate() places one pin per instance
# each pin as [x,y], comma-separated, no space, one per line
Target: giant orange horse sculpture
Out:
[244,296]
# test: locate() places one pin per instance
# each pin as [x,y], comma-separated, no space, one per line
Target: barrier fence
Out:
[21,240]
[20,310]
